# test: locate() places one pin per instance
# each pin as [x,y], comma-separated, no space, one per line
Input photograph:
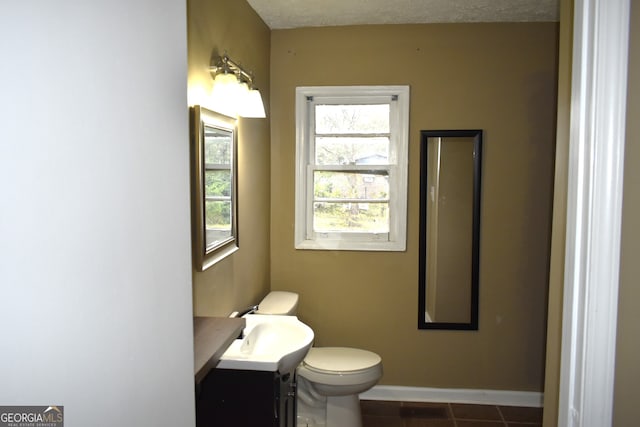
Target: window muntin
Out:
[351,188]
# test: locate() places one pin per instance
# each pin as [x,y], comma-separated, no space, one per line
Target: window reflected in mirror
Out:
[449,229]
[218,146]
[214,186]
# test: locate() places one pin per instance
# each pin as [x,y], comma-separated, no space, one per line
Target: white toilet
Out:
[329,378]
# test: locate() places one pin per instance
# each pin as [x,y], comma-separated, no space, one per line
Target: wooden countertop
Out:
[212,336]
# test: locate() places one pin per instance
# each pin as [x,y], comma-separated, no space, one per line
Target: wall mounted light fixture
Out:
[233,91]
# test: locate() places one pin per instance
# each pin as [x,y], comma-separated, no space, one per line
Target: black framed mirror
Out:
[450,183]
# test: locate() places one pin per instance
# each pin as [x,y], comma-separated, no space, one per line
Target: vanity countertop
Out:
[212,336]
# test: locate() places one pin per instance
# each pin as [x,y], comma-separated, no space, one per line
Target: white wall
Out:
[95,268]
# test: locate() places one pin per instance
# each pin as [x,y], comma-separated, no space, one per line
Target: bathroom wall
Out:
[231,26]
[626,410]
[497,77]
[95,275]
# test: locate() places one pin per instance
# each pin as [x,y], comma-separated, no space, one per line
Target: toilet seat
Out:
[340,359]
[341,366]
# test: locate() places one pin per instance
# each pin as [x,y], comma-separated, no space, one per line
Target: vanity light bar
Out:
[235,94]
[224,64]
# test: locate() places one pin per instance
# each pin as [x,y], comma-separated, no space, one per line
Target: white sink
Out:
[269,343]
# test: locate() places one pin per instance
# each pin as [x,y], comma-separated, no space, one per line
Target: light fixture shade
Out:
[233,93]
[227,94]
[225,79]
[252,105]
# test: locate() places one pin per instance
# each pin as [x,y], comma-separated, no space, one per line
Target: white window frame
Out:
[398,99]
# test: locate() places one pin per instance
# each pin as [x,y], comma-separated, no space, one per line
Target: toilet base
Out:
[316,410]
[344,411]
[341,411]
[308,422]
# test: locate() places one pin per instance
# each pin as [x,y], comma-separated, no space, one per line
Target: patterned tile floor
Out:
[418,414]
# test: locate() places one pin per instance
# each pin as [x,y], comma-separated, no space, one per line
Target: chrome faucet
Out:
[249,310]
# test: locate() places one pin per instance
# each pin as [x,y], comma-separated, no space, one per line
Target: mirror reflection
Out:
[449,229]
[218,146]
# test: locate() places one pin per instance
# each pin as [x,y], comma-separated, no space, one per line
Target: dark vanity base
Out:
[228,397]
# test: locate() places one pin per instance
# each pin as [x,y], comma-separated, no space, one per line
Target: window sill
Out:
[342,245]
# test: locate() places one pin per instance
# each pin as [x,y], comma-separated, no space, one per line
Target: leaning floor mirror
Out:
[213,186]
[449,229]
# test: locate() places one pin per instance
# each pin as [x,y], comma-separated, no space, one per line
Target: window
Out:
[351,167]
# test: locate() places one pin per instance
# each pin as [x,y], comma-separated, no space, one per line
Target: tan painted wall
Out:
[232,26]
[498,77]
[626,409]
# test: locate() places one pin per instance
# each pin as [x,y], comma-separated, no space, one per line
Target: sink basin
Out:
[269,343]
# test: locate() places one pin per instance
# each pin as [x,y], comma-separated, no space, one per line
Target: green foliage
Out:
[217,183]
[218,212]
[217,147]
[364,217]
[350,216]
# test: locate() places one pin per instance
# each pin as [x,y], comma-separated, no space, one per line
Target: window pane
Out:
[217,222]
[218,214]
[355,217]
[345,119]
[352,151]
[217,146]
[351,185]
[217,183]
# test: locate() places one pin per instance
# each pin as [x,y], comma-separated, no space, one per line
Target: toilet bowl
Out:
[338,371]
[329,379]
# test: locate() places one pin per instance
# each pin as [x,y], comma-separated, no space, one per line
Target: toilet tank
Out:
[279,302]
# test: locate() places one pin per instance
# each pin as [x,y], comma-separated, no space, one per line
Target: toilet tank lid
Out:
[279,302]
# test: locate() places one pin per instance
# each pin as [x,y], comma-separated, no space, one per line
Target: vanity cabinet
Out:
[229,397]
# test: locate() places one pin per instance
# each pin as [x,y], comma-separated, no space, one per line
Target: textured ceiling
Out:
[279,14]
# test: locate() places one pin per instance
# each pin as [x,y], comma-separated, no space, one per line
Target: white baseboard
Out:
[454,395]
